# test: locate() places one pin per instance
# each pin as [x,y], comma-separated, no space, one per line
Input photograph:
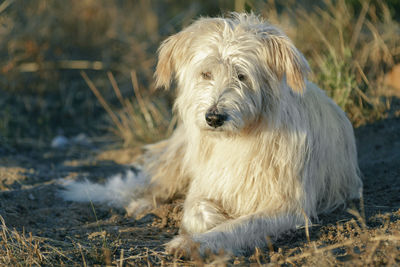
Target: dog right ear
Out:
[171,55]
[286,61]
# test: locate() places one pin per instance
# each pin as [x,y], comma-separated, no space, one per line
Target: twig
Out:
[83,256]
[359,23]
[321,250]
[121,263]
[393,238]
[374,247]
[62,64]
[356,214]
[102,101]
[139,98]
[306,219]
[115,87]
[5,4]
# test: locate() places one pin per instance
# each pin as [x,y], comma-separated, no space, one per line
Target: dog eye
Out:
[206,75]
[241,77]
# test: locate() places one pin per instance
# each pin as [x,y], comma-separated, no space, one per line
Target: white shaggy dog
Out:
[258,150]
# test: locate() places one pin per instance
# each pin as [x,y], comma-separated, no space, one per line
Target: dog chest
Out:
[238,175]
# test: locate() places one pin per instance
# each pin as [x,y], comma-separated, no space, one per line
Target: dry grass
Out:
[349,50]
[350,45]
[20,249]
[350,243]
[137,122]
[45,44]
[353,243]
[347,243]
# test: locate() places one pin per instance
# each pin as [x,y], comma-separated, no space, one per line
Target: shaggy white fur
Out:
[258,149]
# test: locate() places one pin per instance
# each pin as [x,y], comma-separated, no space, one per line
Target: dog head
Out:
[231,73]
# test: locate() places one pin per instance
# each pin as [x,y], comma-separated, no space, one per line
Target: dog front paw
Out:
[182,246]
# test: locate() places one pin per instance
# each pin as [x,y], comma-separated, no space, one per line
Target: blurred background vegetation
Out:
[53,52]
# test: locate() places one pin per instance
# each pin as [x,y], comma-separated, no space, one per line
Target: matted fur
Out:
[283,153]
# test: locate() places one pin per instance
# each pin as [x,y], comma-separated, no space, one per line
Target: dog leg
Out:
[202,215]
[237,236]
[162,163]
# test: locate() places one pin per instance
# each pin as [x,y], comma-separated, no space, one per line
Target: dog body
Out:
[258,149]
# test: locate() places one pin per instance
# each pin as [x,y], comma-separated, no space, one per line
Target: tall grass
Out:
[139,120]
[43,48]
[349,50]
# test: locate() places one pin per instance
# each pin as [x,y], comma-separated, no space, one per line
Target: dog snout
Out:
[215,118]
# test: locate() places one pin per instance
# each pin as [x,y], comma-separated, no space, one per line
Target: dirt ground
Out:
[81,233]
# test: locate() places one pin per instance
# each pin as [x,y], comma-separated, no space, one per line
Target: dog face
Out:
[231,72]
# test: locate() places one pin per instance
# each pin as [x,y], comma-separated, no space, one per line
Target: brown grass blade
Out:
[102,100]
[139,98]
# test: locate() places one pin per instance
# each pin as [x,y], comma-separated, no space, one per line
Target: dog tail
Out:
[118,191]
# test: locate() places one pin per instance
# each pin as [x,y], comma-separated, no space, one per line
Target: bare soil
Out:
[82,233]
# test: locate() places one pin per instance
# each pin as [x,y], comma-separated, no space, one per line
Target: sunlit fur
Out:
[285,153]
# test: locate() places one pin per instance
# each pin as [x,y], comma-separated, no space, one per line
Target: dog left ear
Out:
[170,55]
[287,62]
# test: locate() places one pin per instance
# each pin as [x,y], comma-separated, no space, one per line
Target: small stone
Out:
[59,141]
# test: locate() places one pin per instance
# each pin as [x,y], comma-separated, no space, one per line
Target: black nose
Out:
[214,118]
